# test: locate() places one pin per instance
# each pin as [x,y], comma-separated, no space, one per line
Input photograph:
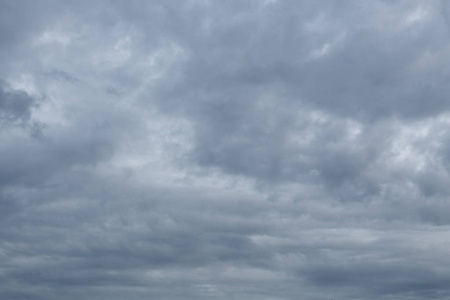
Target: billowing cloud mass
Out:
[242,149]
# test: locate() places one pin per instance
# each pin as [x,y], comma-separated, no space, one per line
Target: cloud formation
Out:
[257,149]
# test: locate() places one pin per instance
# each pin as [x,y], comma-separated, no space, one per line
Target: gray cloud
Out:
[15,106]
[228,150]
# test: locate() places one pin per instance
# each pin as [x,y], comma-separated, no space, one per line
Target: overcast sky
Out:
[238,149]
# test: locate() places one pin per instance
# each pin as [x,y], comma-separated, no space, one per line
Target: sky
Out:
[239,149]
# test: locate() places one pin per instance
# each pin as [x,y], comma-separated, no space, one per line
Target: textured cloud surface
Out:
[251,149]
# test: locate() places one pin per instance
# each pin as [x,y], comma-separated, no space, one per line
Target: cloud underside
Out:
[224,150]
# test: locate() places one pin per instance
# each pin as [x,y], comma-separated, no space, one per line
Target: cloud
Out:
[238,149]
[15,106]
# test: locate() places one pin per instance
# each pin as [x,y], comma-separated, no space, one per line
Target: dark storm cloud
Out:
[224,149]
[15,106]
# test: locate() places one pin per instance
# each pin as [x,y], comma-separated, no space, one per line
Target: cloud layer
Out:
[264,149]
